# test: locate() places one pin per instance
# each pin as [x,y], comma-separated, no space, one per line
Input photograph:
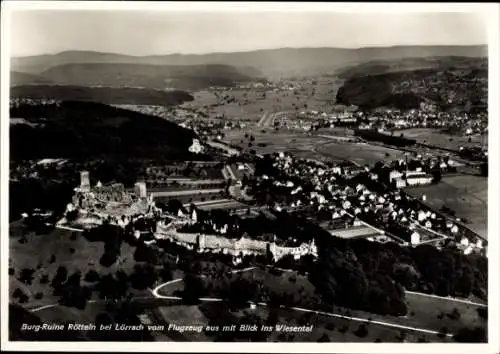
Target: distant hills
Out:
[71,129]
[238,65]
[148,76]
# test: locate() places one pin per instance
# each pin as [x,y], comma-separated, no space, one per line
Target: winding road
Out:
[156,295]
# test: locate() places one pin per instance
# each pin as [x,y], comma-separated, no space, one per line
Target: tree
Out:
[471,335]
[454,314]
[59,279]
[165,274]
[436,174]
[26,275]
[193,289]
[239,292]
[143,277]
[324,338]
[362,331]
[144,253]
[113,287]
[92,276]
[44,279]
[18,293]
[482,312]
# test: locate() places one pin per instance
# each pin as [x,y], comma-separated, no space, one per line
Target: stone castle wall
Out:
[245,246]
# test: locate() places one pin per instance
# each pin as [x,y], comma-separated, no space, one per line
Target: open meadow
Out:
[271,141]
[465,194]
[424,313]
[250,104]
[45,253]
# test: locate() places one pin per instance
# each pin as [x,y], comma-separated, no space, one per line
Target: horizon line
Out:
[249,50]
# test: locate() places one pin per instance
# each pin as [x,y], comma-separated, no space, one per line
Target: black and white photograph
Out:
[240,173]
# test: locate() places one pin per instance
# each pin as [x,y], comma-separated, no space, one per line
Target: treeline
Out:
[74,129]
[373,135]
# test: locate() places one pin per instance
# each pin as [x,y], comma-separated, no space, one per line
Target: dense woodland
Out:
[106,95]
[73,129]
[372,276]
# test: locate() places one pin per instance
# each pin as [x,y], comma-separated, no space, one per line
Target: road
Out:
[156,295]
[155,292]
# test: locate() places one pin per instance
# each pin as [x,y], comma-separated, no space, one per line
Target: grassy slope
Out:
[466,195]
[38,250]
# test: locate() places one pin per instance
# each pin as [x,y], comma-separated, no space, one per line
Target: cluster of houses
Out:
[332,192]
[463,122]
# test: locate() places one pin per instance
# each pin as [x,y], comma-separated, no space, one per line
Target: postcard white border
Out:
[491,13]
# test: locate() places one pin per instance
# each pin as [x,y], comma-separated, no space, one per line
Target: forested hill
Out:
[73,129]
[463,87]
[106,95]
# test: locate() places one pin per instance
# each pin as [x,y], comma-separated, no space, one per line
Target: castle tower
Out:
[85,181]
[140,190]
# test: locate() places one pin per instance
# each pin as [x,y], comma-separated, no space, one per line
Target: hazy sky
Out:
[146,33]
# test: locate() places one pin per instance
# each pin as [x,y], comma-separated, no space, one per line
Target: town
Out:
[277,195]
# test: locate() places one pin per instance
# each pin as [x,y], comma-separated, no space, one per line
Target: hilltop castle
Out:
[113,203]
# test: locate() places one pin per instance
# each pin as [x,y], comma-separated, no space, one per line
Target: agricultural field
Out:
[466,195]
[250,104]
[442,140]
[271,141]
